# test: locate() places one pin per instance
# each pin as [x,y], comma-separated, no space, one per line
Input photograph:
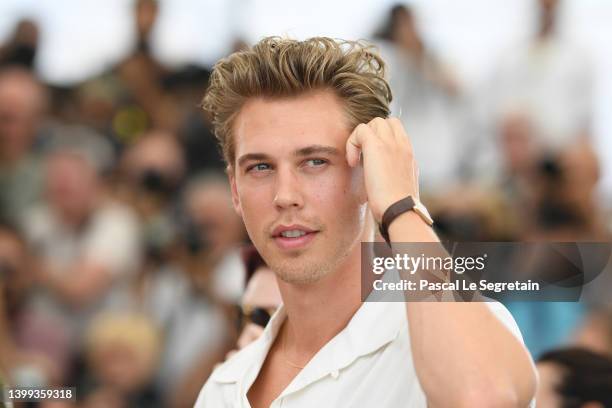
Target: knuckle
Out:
[378,121]
[360,131]
[395,121]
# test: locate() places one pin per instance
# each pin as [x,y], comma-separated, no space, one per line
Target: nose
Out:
[288,194]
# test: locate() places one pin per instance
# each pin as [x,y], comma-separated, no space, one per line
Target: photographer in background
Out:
[551,194]
[212,234]
[151,174]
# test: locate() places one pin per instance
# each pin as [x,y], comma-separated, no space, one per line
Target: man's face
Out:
[17,120]
[302,204]
[71,185]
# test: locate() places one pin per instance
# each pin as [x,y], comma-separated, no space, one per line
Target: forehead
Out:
[279,125]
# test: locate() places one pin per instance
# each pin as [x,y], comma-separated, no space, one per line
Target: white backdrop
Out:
[84,37]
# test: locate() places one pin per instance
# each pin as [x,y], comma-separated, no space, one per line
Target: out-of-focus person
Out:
[559,199]
[552,79]
[122,352]
[539,100]
[207,261]
[23,102]
[86,244]
[553,197]
[22,46]
[538,106]
[151,174]
[193,281]
[574,378]
[425,98]
[260,300]
[212,234]
[130,98]
[141,74]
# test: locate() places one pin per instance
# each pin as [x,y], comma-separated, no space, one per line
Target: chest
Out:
[275,375]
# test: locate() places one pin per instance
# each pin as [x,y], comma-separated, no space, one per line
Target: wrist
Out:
[410,227]
[407,205]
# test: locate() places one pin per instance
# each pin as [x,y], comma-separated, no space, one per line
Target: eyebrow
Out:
[251,157]
[305,151]
[316,149]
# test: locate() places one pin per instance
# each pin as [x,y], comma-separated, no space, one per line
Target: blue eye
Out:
[316,162]
[259,167]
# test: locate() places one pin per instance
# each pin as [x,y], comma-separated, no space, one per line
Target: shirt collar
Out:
[374,325]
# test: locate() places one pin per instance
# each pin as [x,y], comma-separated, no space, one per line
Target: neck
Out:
[318,311]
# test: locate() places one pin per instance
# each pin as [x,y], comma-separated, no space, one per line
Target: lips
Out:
[284,229]
[293,236]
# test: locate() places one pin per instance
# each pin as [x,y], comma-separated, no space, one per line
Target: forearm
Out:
[462,351]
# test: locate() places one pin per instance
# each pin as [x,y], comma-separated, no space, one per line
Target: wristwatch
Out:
[395,210]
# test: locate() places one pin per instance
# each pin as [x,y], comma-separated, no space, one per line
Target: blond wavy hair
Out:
[279,67]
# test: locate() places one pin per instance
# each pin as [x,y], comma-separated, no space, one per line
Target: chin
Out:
[300,272]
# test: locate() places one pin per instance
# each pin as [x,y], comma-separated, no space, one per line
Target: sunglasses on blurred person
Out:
[259,316]
[259,302]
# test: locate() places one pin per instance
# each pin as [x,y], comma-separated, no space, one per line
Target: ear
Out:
[235,198]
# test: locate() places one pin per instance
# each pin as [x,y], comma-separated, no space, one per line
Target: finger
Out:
[381,128]
[355,143]
[400,132]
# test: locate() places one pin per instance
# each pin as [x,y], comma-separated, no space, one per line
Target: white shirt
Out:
[368,364]
[550,81]
[110,237]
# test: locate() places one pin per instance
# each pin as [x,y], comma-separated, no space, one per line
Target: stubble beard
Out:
[313,264]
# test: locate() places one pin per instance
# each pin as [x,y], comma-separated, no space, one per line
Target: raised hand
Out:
[390,170]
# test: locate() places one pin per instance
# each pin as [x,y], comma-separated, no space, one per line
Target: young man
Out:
[310,156]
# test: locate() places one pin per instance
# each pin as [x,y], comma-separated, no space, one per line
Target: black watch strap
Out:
[394,211]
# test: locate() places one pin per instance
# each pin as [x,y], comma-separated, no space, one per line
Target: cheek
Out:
[340,192]
[255,202]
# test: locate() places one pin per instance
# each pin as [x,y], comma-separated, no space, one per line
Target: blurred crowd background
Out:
[123,266]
